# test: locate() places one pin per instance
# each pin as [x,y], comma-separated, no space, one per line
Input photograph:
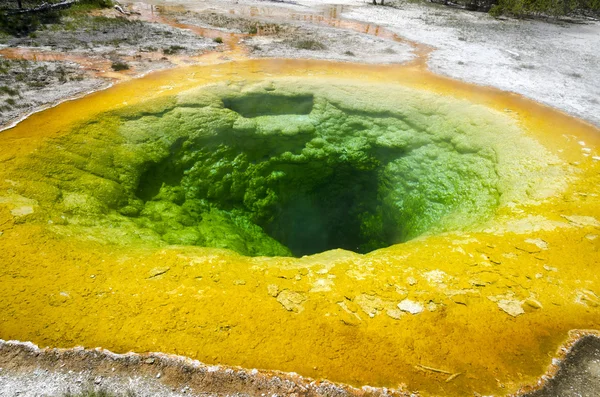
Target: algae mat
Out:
[198,212]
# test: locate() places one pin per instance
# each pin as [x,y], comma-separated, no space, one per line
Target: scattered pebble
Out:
[538,242]
[533,303]
[435,276]
[22,211]
[158,271]
[410,306]
[396,314]
[291,300]
[511,307]
[582,220]
[273,290]
[588,298]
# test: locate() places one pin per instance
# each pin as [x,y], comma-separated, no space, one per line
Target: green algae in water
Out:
[286,168]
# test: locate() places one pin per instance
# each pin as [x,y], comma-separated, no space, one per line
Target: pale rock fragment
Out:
[370,304]
[511,307]
[401,291]
[435,276]
[460,250]
[477,283]
[291,300]
[538,242]
[410,306]
[533,303]
[322,285]
[588,298]
[353,314]
[273,290]
[22,211]
[579,220]
[158,271]
[396,314]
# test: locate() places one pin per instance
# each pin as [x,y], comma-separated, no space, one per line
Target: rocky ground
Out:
[281,37]
[28,85]
[553,62]
[83,53]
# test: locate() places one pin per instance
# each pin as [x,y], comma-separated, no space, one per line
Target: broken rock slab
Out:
[411,307]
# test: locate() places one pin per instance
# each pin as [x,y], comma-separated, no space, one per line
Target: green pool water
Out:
[286,167]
